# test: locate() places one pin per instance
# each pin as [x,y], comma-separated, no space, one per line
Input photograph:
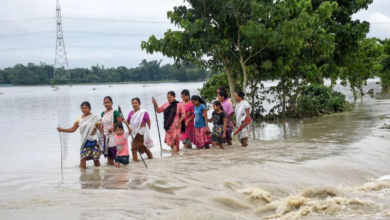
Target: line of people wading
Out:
[184,121]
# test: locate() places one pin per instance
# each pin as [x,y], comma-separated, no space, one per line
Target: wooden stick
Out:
[158,129]
[62,173]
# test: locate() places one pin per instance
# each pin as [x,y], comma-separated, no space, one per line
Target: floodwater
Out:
[331,167]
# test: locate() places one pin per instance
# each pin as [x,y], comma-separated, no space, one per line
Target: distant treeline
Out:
[147,71]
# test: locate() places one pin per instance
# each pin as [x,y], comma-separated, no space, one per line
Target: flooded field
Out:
[330,167]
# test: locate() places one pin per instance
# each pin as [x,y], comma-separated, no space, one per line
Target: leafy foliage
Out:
[316,99]
[384,60]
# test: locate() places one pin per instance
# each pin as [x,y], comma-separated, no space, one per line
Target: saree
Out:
[172,134]
[141,134]
[188,137]
[91,145]
[109,141]
[229,110]
[240,117]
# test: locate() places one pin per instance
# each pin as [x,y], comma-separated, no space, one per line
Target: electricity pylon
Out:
[61,71]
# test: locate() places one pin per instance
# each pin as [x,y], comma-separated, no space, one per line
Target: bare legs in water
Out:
[218,144]
[175,148]
[83,163]
[244,142]
[135,155]
[110,161]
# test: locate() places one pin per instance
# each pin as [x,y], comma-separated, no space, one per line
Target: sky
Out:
[94,38]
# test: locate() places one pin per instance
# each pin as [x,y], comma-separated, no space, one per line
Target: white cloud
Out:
[377,12]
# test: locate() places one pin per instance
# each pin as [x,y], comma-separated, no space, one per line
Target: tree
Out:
[362,65]
[348,33]
[225,35]
[384,60]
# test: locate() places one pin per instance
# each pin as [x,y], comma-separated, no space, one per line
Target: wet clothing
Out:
[90,151]
[218,120]
[228,109]
[139,142]
[240,117]
[217,134]
[91,145]
[141,132]
[108,120]
[122,159]
[201,139]
[188,136]
[172,134]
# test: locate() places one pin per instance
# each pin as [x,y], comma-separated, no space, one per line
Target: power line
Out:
[28,20]
[115,20]
[27,34]
[27,48]
[68,46]
[85,19]
[77,32]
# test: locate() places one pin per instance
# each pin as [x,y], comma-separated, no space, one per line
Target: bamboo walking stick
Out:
[62,173]
[158,129]
[120,111]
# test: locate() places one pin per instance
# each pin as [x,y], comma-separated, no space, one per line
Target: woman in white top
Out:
[91,141]
[243,110]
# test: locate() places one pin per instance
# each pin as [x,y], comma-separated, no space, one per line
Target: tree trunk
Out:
[361,92]
[321,80]
[232,85]
[243,67]
[354,93]
[283,98]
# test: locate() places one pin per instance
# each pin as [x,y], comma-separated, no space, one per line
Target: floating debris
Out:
[94,89]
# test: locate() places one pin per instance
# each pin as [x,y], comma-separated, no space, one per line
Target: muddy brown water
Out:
[331,167]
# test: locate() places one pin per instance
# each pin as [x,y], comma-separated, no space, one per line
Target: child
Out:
[220,123]
[122,153]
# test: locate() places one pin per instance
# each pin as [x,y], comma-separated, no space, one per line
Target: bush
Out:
[318,99]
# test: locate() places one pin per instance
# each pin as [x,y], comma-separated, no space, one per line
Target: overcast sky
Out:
[118,50]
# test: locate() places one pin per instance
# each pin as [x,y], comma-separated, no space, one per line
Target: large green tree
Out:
[227,35]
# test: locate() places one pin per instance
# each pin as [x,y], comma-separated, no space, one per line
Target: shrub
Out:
[318,99]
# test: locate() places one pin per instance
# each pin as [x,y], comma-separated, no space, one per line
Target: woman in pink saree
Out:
[174,116]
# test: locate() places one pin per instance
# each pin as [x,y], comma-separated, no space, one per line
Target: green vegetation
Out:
[384,61]
[147,71]
[298,43]
[319,99]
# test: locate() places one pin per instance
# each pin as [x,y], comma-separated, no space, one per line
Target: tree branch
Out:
[235,55]
[255,53]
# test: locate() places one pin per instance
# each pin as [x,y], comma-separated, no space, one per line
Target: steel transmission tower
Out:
[61,72]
